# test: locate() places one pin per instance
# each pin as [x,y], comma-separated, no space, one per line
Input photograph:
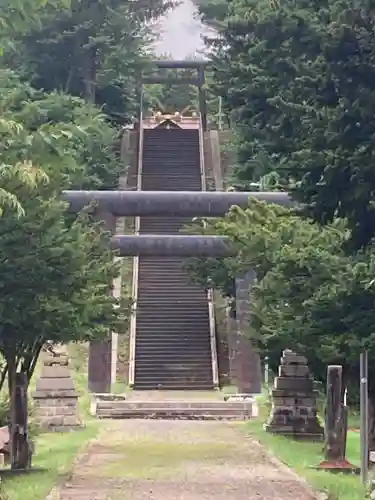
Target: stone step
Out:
[170,323]
[178,409]
[169,379]
[152,282]
[174,381]
[175,384]
[188,302]
[170,345]
[149,348]
[179,370]
[164,362]
[180,328]
[178,314]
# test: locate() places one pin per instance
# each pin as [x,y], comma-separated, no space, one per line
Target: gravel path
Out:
[179,460]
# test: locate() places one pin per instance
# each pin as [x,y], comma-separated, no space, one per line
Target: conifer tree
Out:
[297,81]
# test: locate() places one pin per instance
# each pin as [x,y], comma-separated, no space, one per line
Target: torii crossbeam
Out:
[168,203]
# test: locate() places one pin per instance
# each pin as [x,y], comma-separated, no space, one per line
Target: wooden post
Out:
[333,446]
[336,425]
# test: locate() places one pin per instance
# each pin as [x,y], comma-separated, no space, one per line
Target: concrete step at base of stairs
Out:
[178,409]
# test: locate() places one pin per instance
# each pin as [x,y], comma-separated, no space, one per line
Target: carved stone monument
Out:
[244,361]
[55,397]
[294,411]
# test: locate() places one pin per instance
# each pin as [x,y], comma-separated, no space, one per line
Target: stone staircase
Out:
[172,349]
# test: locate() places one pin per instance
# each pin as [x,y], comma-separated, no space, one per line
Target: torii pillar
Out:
[100,352]
[112,204]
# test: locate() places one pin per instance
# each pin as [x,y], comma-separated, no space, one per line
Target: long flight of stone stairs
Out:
[173,348]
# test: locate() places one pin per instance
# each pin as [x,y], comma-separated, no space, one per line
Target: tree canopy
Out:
[56,271]
[297,82]
[72,145]
[92,50]
[310,294]
[68,70]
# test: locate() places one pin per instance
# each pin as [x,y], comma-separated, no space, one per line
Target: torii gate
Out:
[159,203]
[199,81]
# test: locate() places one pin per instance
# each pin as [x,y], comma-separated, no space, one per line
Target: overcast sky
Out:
[181,32]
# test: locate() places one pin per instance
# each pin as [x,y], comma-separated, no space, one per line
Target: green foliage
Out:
[21,15]
[214,12]
[55,271]
[88,49]
[297,80]
[57,274]
[69,139]
[310,295]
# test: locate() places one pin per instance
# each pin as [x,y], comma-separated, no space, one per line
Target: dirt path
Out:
[179,460]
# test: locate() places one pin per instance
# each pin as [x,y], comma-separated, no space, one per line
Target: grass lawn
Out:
[55,452]
[303,456]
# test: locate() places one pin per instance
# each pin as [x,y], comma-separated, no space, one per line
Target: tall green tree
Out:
[55,271]
[73,139]
[20,14]
[311,295]
[93,50]
[214,12]
[297,81]
[54,283]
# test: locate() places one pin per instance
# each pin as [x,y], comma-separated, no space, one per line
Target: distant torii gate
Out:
[158,203]
[198,81]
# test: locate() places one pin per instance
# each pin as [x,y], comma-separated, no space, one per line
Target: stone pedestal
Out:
[99,366]
[55,398]
[294,411]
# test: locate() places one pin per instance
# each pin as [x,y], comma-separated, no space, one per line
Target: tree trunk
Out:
[89,75]
[20,451]
[4,373]
[371,407]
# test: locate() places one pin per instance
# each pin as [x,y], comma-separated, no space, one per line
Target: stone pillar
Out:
[202,97]
[55,398]
[294,411]
[248,366]
[232,345]
[214,142]
[100,352]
